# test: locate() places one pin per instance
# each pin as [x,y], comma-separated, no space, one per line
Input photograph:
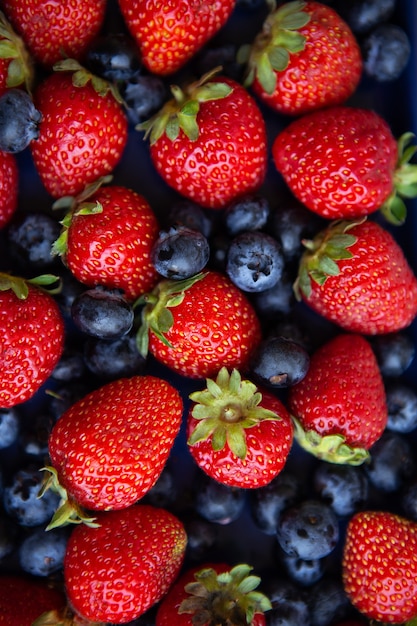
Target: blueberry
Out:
[164,492]
[277,301]
[385,51]
[267,503]
[42,553]
[21,499]
[9,427]
[113,359]
[254,261]
[8,535]
[180,253]
[279,362]
[327,602]
[218,503]
[19,121]
[247,213]
[392,462]
[36,435]
[343,487]
[71,365]
[303,572]
[114,57]
[222,55]
[102,314]
[192,215]
[394,353]
[402,407]
[201,539]
[363,15]
[30,237]
[144,95]
[288,605]
[408,499]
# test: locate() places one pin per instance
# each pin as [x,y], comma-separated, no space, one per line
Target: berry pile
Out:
[208,313]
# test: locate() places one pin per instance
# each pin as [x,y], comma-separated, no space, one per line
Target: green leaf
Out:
[164,320]
[328,266]
[249,584]
[394,210]
[189,126]
[219,439]
[8,50]
[294,21]
[204,429]
[279,59]
[236,440]
[172,128]
[265,74]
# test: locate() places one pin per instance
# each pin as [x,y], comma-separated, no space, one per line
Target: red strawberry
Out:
[9,184]
[344,162]
[82,133]
[55,30]
[117,571]
[198,325]
[31,337]
[107,240]
[340,406]
[209,142]
[380,566]
[237,434]
[109,448]
[304,58]
[16,67]
[356,275]
[24,599]
[170,33]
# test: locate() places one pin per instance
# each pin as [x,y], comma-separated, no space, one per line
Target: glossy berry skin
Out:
[216,502]
[101,314]
[343,487]
[30,237]
[180,252]
[23,599]
[169,35]
[380,566]
[386,51]
[145,546]
[279,362]
[114,57]
[248,213]
[254,261]
[19,121]
[402,406]
[82,135]
[117,429]
[9,181]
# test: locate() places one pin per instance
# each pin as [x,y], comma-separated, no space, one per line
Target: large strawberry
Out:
[209,142]
[198,325]
[339,407]
[344,162]
[170,33]
[31,337]
[239,435]
[24,599]
[56,30]
[109,448]
[9,185]
[214,593]
[380,566]
[304,58]
[107,239]
[16,66]
[355,274]
[117,571]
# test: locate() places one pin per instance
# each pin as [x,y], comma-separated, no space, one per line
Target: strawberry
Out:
[237,434]
[198,325]
[344,162]
[169,34]
[53,30]
[304,58]
[24,599]
[9,184]
[209,141]
[380,566]
[109,448]
[356,275]
[16,66]
[31,338]
[117,571]
[107,239]
[214,593]
[339,408]
[82,134]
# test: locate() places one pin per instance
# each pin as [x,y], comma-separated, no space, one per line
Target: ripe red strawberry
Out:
[340,406]
[170,33]
[116,572]
[109,448]
[9,184]
[239,435]
[24,599]
[214,593]
[380,566]
[344,162]
[16,67]
[304,58]
[82,133]
[31,337]
[198,325]
[356,275]
[55,30]
[107,240]
[209,142]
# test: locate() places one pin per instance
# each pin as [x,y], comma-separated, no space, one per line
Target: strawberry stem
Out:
[405,182]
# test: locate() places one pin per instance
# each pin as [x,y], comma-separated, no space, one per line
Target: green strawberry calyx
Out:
[330,448]
[180,113]
[405,182]
[20,70]
[279,38]
[81,76]
[225,409]
[20,286]
[319,260]
[227,598]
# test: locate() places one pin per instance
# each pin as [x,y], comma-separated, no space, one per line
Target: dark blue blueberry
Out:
[344,488]
[30,237]
[291,329]
[402,407]
[392,462]
[408,499]
[303,572]
[288,605]
[21,501]
[9,427]
[219,246]
[180,253]
[222,55]
[394,353]
[385,51]
[364,15]
[103,314]
[277,301]
[216,502]
[114,57]
[267,503]
[71,288]
[201,539]
[8,535]
[254,261]
[42,553]
[308,530]
[19,121]
[36,434]
[327,602]
[113,359]
[164,493]
[245,214]
[144,94]
[71,365]
[192,215]
[279,362]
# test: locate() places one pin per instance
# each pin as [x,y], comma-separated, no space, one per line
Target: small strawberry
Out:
[239,435]
[107,239]
[214,593]
[9,186]
[55,30]
[116,572]
[16,66]
[169,34]
[209,142]
[109,448]
[356,275]
[380,566]
[31,337]
[339,408]
[344,162]
[198,325]
[82,134]
[23,600]
[304,58]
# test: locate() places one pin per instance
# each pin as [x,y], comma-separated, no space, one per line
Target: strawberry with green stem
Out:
[16,65]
